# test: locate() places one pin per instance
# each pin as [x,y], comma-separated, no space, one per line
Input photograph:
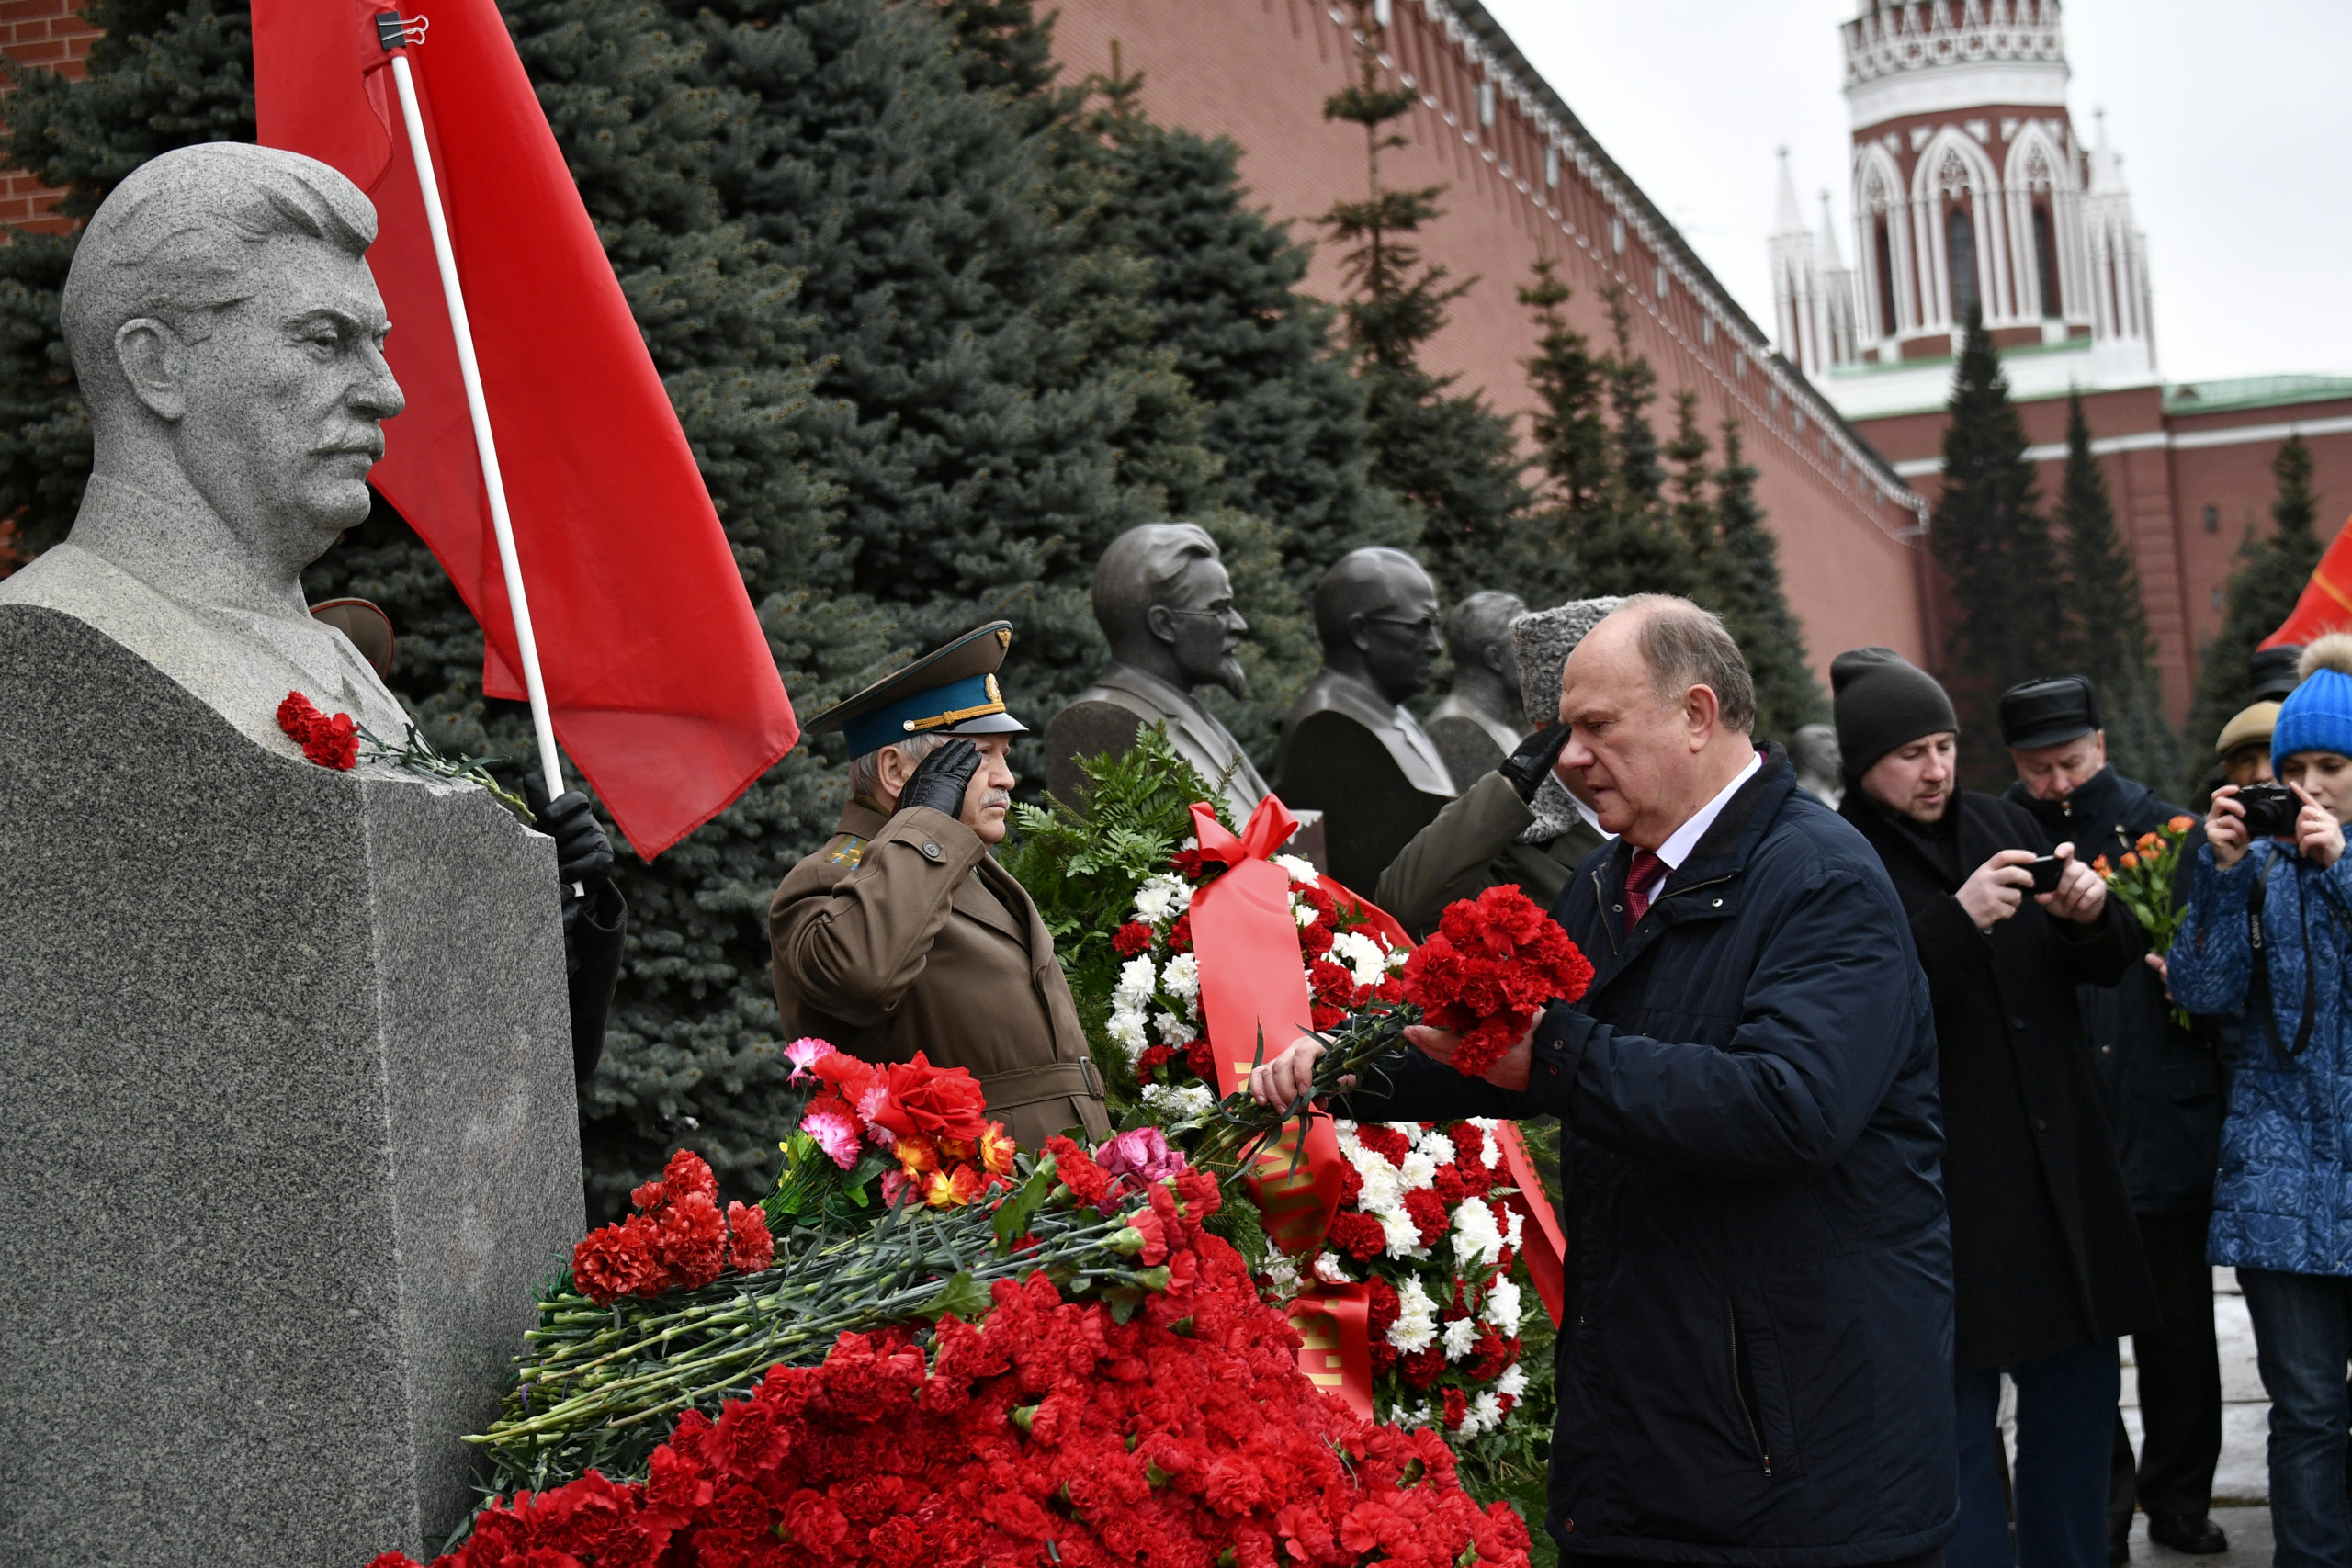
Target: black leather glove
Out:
[1525,768]
[582,854]
[940,779]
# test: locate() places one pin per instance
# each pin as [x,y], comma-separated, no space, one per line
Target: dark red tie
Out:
[1638,881]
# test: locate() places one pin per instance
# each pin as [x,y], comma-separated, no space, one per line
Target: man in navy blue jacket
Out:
[1755,1362]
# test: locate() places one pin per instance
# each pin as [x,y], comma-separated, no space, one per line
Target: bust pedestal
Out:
[286,1070]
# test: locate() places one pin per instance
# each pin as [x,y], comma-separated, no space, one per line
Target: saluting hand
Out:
[942,779]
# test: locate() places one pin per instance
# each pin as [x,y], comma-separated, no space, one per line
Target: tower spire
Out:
[1791,217]
[1832,258]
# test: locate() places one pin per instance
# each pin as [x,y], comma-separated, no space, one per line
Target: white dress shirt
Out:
[1683,839]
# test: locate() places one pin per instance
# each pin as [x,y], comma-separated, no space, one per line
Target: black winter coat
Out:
[2163,1083]
[1755,1363]
[2046,1254]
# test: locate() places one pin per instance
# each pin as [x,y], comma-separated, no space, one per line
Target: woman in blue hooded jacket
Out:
[2268,935]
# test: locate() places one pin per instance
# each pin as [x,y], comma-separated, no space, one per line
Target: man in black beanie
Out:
[2046,1264]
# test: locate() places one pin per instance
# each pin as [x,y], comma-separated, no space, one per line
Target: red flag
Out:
[659,677]
[2326,603]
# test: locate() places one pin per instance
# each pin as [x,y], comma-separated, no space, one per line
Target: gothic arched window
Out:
[2045,261]
[1960,250]
[1884,245]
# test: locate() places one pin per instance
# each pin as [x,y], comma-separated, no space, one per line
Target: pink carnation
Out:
[804,1054]
[836,1133]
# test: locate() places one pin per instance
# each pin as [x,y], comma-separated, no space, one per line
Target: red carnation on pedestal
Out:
[329,742]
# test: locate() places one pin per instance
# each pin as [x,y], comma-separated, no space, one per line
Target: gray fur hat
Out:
[1544,639]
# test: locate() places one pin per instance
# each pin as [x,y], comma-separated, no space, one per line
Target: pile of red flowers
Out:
[1493,964]
[329,742]
[934,1121]
[1052,1432]
[678,1239]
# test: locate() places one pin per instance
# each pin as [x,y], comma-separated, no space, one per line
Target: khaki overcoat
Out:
[1474,845]
[902,935]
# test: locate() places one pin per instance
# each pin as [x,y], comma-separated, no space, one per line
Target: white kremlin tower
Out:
[1971,192]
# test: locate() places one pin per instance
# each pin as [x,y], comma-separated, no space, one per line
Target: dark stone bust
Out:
[1164,603]
[1477,725]
[1349,749]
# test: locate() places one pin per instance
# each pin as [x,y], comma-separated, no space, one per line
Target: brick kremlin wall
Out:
[51,34]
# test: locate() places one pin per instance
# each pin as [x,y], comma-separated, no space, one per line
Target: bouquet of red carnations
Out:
[1054,1430]
[1495,961]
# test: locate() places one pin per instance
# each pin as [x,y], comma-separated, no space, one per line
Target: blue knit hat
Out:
[2317,715]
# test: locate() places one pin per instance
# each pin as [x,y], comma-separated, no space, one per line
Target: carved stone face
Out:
[277,411]
[1197,620]
[1399,639]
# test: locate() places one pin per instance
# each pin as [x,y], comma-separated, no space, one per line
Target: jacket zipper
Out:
[1739,1387]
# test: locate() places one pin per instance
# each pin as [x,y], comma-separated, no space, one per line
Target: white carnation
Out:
[1178,1102]
[1137,980]
[1418,1171]
[1366,960]
[1304,913]
[1384,1188]
[1477,1241]
[1162,897]
[1513,1382]
[1503,1306]
[1174,1031]
[1460,1336]
[1181,978]
[1491,1149]
[1299,870]
[1415,1326]
[1126,1031]
[1328,1270]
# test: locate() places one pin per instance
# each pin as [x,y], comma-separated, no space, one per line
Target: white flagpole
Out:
[393,39]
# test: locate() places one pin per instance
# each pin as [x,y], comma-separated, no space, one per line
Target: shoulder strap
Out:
[2257,991]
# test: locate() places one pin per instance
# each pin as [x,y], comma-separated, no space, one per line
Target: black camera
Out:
[2270,810]
[2047,870]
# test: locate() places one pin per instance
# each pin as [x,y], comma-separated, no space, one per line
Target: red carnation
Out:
[616,1261]
[329,742]
[1131,938]
[1428,1212]
[1382,1309]
[1356,1234]
[1315,940]
[688,1174]
[1152,1058]
[690,1238]
[1202,1060]
[1421,1368]
[1385,1141]
[1457,1407]
[1493,963]
[750,1245]
[1449,1186]
[1180,935]
[1087,1182]
[1351,1186]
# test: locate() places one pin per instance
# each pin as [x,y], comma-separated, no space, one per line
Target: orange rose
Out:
[2147,841]
[2180,824]
[2131,860]
[2101,866]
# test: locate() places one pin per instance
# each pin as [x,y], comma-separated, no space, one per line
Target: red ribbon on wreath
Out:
[1334,1327]
[1253,981]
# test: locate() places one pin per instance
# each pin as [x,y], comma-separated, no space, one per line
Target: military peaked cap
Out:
[949,691]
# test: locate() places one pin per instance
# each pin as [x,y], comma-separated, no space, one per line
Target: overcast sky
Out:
[2234,122]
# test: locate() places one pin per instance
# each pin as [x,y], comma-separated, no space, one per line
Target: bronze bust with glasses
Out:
[1166,605]
[1348,747]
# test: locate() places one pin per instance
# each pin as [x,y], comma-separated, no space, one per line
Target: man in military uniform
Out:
[902,934]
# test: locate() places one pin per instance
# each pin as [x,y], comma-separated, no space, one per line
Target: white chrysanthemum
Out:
[1459,1335]
[1299,870]
[1477,1240]
[1161,898]
[1384,1188]
[1518,1221]
[1415,1326]
[1419,1171]
[1125,1030]
[1328,1270]
[1181,978]
[1491,1149]
[1439,1148]
[1137,980]
[1403,1236]
[1485,1413]
[1175,1031]
[1304,913]
[1343,1130]
[1179,1102]
[1366,960]
[1513,1382]
[1503,1306]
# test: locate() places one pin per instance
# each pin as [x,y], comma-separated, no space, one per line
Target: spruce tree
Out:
[1570,429]
[1450,454]
[1626,542]
[1741,582]
[1994,549]
[2109,626]
[1693,514]
[2270,577]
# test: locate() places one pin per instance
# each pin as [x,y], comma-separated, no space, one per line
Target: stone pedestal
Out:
[286,1127]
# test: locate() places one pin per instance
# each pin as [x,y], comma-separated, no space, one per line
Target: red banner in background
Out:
[2325,605]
